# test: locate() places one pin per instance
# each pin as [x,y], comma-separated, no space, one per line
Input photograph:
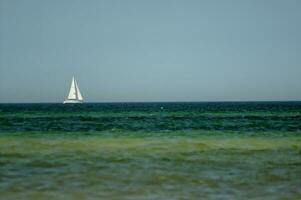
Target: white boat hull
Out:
[72,101]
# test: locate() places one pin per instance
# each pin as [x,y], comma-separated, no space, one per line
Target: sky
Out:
[150,50]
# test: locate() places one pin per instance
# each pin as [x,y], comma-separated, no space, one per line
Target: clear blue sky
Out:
[150,50]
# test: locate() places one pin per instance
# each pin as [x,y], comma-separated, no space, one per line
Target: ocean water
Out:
[233,150]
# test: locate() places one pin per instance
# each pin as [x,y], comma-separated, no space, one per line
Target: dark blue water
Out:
[95,117]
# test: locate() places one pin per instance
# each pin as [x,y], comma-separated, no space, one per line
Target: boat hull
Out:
[72,101]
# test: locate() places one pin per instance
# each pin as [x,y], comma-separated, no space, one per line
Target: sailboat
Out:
[74,95]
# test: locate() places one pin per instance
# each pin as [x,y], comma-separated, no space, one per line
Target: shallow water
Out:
[151,151]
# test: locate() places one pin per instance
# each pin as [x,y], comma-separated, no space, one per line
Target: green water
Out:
[141,151]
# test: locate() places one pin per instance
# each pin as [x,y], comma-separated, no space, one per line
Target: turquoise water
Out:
[151,151]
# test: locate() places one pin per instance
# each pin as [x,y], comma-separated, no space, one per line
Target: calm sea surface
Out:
[233,150]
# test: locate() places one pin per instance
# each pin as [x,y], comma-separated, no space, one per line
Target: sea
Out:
[136,151]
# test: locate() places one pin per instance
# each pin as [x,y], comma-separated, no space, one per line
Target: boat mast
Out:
[75,86]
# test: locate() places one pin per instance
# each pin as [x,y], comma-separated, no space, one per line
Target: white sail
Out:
[72,92]
[74,95]
[79,95]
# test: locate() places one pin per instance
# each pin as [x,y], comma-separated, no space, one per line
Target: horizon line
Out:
[217,101]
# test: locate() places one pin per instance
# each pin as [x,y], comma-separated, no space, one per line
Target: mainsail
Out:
[72,92]
[74,95]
